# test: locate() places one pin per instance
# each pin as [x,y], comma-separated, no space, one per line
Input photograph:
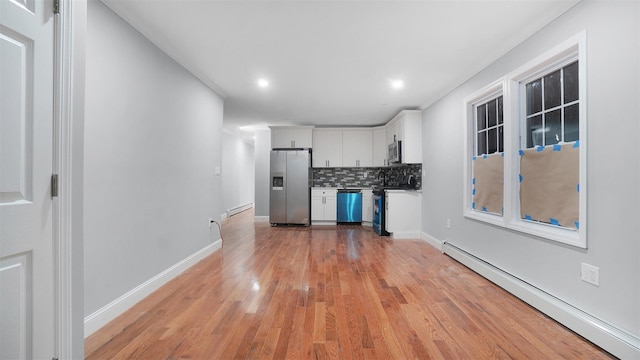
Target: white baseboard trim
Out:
[239,209]
[109,312]
[433,241]
[400,235]
[608,336]
[224,215]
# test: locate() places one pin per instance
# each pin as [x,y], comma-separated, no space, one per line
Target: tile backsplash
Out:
[364,177]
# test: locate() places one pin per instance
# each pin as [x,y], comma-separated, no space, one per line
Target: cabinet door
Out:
[379,147]
[281,138]
[317,208]
[367,206]
[412,137]
[302,138]
[331,208]
[356,148]
[327,148]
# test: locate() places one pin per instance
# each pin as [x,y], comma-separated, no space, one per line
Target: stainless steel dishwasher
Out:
[349,206]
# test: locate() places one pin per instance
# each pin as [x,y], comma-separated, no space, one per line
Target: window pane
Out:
[482,143]
[534,131]
[500,139]
[570,79]
[500,110]
[534,97]
[492,117]
[481,117]
[571,123]
[553,128]
[492,141]
[552,90]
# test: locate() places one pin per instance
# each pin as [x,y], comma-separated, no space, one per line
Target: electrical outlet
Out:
[448,223]
[364,176]
[590,274]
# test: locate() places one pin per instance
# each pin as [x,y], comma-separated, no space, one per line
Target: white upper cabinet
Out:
[327,151]
[291,137]
[357,147]
[407,127]
[379,146]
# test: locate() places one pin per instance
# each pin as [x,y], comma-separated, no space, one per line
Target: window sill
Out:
[549,232]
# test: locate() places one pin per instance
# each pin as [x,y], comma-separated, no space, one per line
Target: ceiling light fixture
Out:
[263,83]
[397,84]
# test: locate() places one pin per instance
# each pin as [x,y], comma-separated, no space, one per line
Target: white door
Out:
[26,157]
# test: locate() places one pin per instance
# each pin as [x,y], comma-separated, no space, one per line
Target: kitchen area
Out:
[349,175]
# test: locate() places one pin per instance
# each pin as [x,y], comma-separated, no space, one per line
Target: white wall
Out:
[238,171]
[613,88]
[262,158]
[152,140]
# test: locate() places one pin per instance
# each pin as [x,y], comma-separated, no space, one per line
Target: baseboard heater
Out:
[608,336]
[239,209]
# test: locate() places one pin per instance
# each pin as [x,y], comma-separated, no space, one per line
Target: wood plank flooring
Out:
[331,292]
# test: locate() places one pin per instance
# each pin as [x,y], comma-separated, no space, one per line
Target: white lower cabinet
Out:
[403,214]
[323,206]
[367,206]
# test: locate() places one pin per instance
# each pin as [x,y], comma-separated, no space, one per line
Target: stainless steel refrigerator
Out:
[290,192]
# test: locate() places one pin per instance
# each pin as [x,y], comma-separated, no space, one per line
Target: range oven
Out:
[378,221]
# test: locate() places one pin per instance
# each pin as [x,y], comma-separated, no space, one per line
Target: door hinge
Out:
[54,185]
[56,7]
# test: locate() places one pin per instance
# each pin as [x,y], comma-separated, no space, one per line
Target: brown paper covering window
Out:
[549,185]
[489,183]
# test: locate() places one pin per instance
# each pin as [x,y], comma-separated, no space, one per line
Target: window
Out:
[488,162]
[489,127]
[552,113]
[525,158]
[549,164]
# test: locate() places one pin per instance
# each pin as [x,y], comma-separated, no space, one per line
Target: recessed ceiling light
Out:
[263,83]
[397,84]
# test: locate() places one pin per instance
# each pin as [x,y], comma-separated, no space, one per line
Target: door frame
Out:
[68,148]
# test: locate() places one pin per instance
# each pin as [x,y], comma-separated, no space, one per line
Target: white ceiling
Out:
[330,62]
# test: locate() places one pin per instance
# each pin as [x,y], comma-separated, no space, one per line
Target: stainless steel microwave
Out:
[395,152]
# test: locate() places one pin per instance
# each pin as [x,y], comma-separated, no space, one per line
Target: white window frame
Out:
[469,127]
[512,86]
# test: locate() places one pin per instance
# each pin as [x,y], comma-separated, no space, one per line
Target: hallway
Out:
[331,292]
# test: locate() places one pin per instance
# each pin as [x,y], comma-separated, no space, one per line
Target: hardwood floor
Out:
[331,292]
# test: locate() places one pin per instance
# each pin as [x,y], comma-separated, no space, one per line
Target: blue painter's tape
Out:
[474,158]
[576,144]
[502,154]
[577,224]
[557,147]
[473,181]
[553,221]
[473,192]
[473,205]
[527,217]
[520,177]
[539,148]
[502,211]
[484,156]
[520,152]
[578,187]
[484,209]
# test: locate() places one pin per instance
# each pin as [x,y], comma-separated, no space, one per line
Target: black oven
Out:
[378,221]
